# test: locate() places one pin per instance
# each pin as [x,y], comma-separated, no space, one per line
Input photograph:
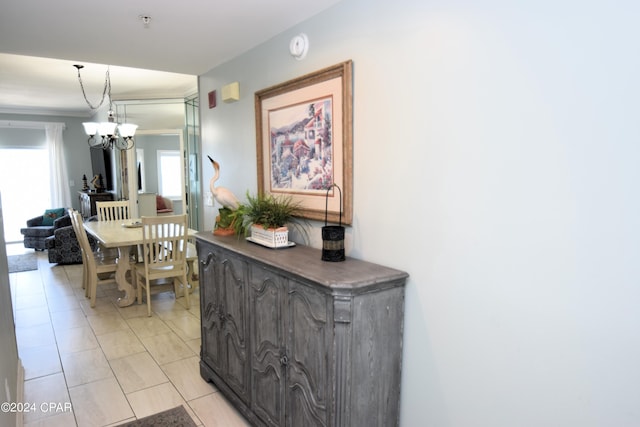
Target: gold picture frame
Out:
[304,142]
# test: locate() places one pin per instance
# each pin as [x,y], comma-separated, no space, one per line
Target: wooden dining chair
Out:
[113,211]
[95,264]
[74,224]
[164,248]
[192,265]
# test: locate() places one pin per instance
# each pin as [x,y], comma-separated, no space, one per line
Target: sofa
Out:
[43,226]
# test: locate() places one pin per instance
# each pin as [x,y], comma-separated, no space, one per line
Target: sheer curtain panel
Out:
[59,182]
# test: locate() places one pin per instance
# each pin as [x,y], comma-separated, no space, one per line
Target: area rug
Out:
[26,262]
[176,417]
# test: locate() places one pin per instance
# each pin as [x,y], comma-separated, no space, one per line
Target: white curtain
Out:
[59,181]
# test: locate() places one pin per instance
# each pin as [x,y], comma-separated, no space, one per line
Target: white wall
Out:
[495,160]
[9,362]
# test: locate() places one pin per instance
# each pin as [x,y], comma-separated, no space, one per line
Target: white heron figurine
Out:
[223,195]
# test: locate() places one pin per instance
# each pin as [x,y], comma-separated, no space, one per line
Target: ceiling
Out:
[41,41]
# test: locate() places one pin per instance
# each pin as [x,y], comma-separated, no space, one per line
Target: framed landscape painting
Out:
[304,142]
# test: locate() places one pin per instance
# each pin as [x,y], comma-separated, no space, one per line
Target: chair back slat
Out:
[113,211]
[164,242]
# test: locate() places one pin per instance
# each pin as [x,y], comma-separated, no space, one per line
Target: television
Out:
[101,165]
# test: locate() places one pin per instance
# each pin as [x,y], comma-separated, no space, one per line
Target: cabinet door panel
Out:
[309,342]
[266,302]
[211,319]
[303,411]
[235,326]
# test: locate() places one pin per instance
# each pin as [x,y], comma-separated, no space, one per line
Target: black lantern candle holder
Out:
[332,235]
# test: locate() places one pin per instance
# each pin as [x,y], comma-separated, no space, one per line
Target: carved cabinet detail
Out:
[291,340]
[224,320]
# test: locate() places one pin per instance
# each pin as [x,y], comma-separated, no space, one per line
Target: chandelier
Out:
[111,132]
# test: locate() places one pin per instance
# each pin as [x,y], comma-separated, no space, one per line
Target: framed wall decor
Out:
[304,142]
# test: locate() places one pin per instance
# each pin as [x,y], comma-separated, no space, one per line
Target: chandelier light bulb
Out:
[90,128]
[107,128]
[127,130]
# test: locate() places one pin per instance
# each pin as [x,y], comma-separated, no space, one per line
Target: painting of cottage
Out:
[301,148]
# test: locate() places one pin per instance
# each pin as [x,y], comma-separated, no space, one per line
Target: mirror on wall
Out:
[159,171]
[159,165]
[192,154]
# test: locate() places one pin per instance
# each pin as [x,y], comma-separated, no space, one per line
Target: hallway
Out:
[107,365]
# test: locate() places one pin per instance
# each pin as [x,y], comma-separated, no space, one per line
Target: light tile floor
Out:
[106,365]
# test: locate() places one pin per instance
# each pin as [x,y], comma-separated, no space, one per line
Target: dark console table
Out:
[88,202]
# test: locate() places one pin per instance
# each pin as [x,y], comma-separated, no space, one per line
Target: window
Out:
[24,183]
[169,182]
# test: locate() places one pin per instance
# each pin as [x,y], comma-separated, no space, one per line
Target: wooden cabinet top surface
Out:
[306,263]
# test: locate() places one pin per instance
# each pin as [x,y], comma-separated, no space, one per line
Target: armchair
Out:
[36,232]
[63,246]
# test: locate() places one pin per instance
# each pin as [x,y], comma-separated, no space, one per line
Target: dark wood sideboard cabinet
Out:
[88,202]
[291,340]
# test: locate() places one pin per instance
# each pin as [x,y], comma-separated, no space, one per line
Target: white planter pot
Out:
[271,237]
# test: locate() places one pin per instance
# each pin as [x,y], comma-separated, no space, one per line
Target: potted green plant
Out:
[265,219]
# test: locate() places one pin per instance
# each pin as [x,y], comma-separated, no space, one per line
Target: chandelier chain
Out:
[106,91]
[111,133]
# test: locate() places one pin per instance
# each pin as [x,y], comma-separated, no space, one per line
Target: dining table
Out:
[125,236]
